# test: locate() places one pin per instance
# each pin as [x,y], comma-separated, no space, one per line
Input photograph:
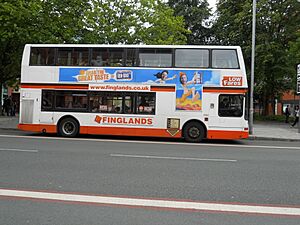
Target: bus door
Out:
[231,110]
[46,113]
[227,112]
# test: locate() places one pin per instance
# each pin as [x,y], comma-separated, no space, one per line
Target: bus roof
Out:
[135,46]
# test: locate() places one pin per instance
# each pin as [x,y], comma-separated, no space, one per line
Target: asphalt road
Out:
[160,171]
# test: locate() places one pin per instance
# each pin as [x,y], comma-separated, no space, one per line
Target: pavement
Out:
[262,130]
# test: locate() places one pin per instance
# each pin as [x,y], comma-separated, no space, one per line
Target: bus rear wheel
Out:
[68,127]
[193,132]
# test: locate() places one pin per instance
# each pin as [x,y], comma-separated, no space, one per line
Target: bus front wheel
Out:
[68,127]
[193,132]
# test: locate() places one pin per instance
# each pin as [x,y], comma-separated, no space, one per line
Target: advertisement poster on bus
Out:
[189,83]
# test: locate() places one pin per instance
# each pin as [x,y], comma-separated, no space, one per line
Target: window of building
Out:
[42,56]
[225,59]
[189,58]
[231,105]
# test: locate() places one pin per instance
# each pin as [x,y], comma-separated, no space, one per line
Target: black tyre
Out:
[68,127]
[193,132]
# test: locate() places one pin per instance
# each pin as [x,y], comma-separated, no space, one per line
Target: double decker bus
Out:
[190,92]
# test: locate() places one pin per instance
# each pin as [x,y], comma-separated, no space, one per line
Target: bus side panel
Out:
[39,74]
[31,118]
[29,106]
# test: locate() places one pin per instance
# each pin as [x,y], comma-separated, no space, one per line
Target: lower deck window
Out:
[99,102]
[231,105]
[71,100]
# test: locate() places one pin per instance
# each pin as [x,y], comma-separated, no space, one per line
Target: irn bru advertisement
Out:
[189,83]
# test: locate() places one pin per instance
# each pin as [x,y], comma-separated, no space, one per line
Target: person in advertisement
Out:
[163,77]
[186,91]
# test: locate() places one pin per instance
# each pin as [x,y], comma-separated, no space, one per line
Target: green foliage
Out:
[196,14]
[61,21]
[277,118]
[294,58]
[15,19]
[132,21]
[276,40]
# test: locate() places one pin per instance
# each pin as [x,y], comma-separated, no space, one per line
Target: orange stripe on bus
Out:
[224,90]
[49,86]
[122,131]
[142,132]
[38,128]
[224,134]
[163,89]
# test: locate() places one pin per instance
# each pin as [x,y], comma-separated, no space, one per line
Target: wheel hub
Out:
[194,132]
[68,127]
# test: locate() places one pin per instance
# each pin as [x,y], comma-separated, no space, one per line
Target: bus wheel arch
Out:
[194,131]
[68,126]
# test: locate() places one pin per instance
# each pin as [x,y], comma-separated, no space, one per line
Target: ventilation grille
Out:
[27,111]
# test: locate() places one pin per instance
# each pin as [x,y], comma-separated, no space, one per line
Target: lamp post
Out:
[252,67]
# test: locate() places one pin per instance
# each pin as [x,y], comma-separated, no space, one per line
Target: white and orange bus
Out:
[194,92]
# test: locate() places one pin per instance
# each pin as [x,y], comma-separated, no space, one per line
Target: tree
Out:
[133,21]
[82,21]
[294,58]
[277,24]
[196,14]
[61,21]
[14,17]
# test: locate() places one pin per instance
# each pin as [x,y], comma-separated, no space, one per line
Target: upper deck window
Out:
[131,57]
[107,57]
[42,56]
[116,56]
[155,57]
[72,57]
[64,57]
[99,57]
[190,58]
[80,56]
[225,59]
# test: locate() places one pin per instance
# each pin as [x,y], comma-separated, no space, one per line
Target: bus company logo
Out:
[92,75]
[124,120]
[232,81]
